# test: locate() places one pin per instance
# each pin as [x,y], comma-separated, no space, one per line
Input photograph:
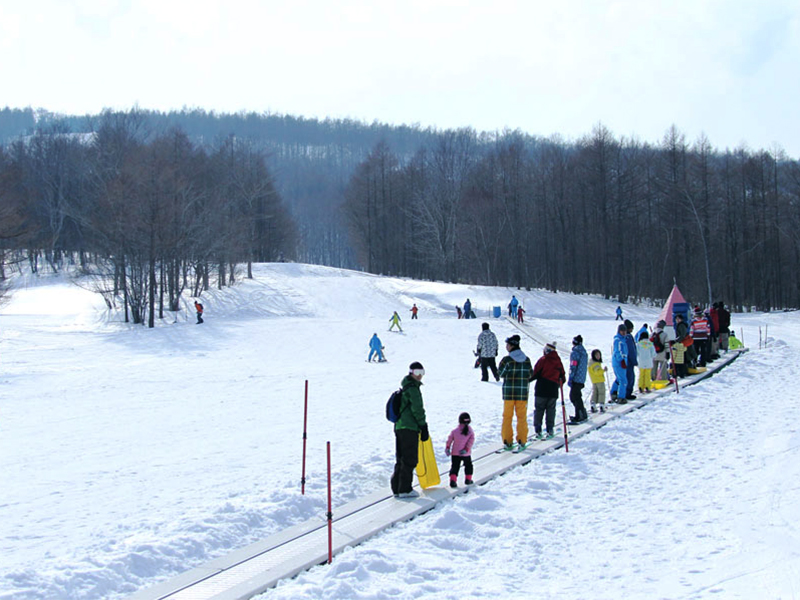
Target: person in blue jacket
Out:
[513,305]
[578,363]
[375,347]
[619,362]
[633,360]
[619,314]
[468,309]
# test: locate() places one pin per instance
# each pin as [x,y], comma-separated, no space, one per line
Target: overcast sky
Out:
[726,68]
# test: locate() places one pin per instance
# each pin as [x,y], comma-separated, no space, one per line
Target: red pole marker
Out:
[564,414]
[305,424]
[330,513]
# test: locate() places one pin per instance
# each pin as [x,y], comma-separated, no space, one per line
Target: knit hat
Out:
[578,339]
[550,346]
[513,340]
[415,365]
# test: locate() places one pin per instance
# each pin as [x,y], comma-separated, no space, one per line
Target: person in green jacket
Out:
[516,371]
[410,428]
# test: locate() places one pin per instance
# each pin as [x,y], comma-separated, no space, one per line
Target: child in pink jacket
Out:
[459,449]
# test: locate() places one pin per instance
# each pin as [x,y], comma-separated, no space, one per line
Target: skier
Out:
[520,313]
[513,306]
[487,351]
[646,353]
[395,320]
[549,375]
[619,358]
[578,362]
[619,314]
[375,347]
[199,308]
[459,449]
[410,429]
[597,374]
[515,369]
[414,311]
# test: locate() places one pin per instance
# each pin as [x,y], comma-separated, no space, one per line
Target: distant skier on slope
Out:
[375,347]
[199,308]
[395,320]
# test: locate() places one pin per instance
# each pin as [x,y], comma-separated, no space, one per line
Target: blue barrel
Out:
[496,312]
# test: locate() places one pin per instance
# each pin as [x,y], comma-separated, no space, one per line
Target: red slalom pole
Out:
[564,414]
[330,512]
[305,437]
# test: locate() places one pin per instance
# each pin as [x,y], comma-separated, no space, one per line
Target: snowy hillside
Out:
[129,455]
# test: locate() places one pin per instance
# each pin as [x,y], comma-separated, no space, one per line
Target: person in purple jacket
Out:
[459,449]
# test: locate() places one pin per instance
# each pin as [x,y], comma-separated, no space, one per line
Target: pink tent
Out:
[675,296]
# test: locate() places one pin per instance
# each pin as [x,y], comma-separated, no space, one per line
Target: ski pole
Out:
[305,425]
[564,414]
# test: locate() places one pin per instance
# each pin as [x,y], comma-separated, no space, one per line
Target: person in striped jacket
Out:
[701,334]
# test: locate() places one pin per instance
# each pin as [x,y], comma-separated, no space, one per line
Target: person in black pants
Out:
[411,427]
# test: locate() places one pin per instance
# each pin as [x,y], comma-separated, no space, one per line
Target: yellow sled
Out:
[427,469]
[659,385]
[695,371]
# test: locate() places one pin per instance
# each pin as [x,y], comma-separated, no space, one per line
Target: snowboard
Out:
[427,469]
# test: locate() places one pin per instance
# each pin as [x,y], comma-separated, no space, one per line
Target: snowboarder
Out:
[578,363]
[646,353]
[597,373]
[487,351]
[375,347]
[410,429]
[619,314]
[515,369]
[414,311]
[395,320]
[619,363]
[459,449]
[199,308]
[549,375]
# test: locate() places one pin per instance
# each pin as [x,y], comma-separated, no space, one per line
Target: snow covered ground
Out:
[129,455]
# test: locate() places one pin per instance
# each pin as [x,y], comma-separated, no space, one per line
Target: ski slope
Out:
[130,455]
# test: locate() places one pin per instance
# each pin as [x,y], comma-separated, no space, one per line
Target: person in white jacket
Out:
[647,353]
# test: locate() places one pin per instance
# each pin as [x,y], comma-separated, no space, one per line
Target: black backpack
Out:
[393,410]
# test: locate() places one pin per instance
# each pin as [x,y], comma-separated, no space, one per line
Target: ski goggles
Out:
[418,372]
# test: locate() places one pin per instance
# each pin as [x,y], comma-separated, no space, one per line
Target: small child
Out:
[646,353]
[459,449]
[597,375]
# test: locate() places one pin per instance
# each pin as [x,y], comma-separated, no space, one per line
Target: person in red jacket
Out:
[549,376]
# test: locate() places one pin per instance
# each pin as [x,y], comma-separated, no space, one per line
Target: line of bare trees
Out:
[149,216]
[606,215]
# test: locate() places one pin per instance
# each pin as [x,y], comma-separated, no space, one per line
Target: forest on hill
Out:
[163,202]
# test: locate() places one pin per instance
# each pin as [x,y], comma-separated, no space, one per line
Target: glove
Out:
[423,433]
[623,364]
[447,451]
[463,452]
